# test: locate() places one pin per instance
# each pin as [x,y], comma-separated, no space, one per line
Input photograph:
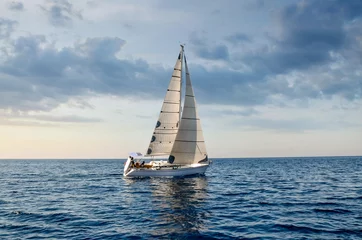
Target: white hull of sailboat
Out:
[168,172]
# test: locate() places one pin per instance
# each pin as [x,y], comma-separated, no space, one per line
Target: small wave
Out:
[357,232]
[232,194]
[341,211]
[325,204]
[50,217]
[21,227]
[344,198]
[292,227]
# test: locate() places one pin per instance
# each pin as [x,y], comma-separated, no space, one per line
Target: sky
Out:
[86,78]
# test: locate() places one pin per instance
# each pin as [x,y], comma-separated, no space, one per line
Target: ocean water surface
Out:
[265,198]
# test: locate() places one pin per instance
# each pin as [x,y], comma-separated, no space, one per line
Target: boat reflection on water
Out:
[179,204]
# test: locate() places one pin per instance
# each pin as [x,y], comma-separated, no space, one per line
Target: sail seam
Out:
[166,128]
[173,90]
[168,112]
[191,118]
[174,76]
[170,129]
[165,133]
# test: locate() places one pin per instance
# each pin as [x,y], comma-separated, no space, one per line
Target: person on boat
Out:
[132,162]
[142,164]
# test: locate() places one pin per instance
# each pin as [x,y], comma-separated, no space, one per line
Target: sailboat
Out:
[177,136]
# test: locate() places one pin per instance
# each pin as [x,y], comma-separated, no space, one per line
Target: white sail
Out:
[168,122]
[189,146]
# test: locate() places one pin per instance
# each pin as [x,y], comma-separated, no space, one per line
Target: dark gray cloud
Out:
[314,35]
[16,6]
[60,12]
[310,31]
[49,76]
[224,86]
[6,27]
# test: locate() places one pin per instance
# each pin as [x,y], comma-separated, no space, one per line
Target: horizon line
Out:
[319,156]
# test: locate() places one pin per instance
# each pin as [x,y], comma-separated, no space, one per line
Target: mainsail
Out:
[189,146]
[168,121]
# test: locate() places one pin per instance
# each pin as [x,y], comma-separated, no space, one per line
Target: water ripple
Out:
[284,198]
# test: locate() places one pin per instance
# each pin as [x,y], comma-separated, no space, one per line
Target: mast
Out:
[182,50]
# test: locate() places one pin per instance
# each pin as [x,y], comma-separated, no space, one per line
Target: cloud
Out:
[203,50]
[311,30]
[16,6]
[11,122]
[322,62]
[6,27]
[238,38]
[225,110]
[316,36]
[219,52]
[20,118]
[92,4]
[65,119]
[60,12]
[254,4]
[245,112]
[225,86]
[317,55]
[291,125]
[51,76]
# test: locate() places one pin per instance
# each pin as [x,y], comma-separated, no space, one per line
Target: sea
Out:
[246,198]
